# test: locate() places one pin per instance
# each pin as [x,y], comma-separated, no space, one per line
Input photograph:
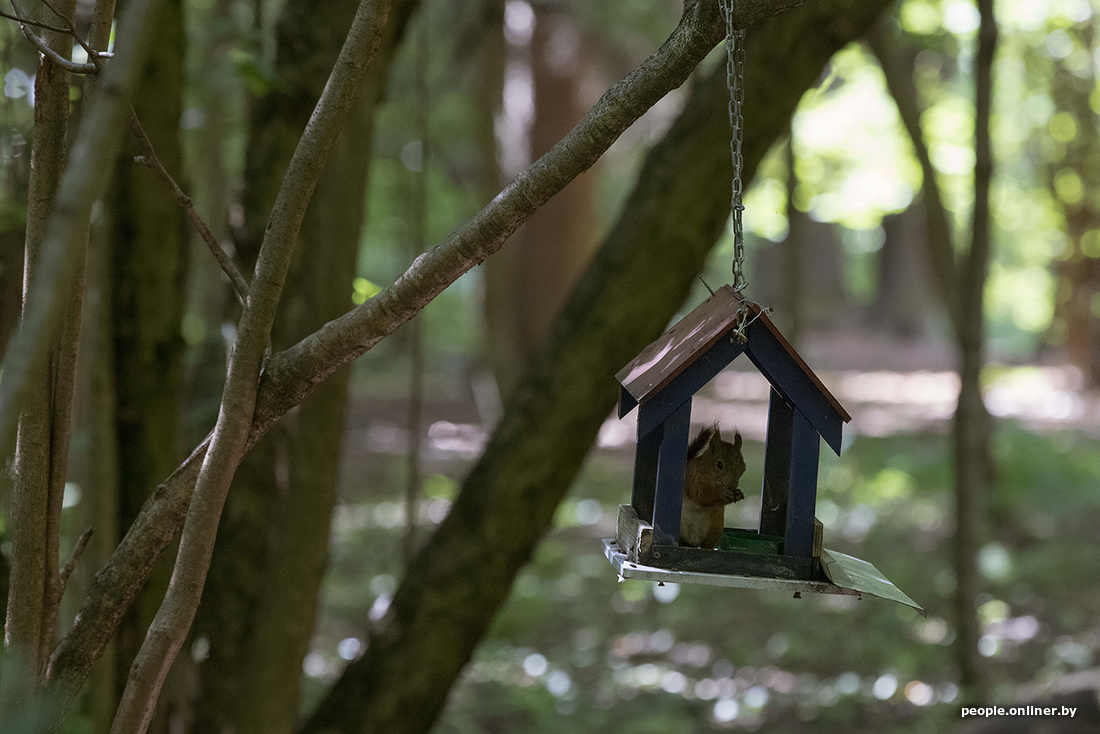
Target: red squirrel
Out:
[714,468]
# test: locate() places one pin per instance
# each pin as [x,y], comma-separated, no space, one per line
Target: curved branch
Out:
[44,48]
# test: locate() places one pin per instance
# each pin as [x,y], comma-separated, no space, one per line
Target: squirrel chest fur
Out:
[714,468]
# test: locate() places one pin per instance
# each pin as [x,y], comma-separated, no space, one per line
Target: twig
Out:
[150,159]
[48,52]
[71,30]
[35,23]
[56,58]
[78,550]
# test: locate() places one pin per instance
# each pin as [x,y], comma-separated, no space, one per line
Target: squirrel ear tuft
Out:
[737,440]
[715,437]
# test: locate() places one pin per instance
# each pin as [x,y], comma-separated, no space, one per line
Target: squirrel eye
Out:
[720,465]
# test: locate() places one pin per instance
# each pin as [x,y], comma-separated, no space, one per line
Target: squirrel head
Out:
[716,462]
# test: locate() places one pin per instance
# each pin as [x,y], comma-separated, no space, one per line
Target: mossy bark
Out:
[635,283]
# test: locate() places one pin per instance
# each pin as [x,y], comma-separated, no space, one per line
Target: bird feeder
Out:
[785,551]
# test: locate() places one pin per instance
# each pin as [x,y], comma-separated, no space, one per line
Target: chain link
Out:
[735,76]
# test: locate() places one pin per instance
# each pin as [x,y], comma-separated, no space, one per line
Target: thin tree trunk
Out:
[418,239]
[149,243]
[558,241]
[1079,326]
[41,452]
[313,441]
[548,253]
[502,348]
[972,424]
[461,577]
[97,458]
[48,299]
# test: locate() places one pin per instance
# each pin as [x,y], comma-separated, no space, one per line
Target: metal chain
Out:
[735,78]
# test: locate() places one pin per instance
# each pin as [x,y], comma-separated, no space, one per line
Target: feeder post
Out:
[671,463]
[777,467]
[805,447]
[645,470]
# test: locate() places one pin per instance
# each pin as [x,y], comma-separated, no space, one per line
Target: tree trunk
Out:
[901,307]
[634,285]
[502,348]
[149,255]
[96,456]
[972,424]
[261,597]
[528,285]
[41,450]
[962,286]
[213,170]
[1076,317]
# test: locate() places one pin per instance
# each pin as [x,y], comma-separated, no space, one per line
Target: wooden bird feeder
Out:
[785,551]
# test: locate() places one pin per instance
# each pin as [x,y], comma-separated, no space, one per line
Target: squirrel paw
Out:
[734,495]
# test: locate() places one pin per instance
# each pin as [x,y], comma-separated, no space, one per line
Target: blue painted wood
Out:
[626,402]
[645,472]
[777,466]
[805,448]
[662,404]
[672,461]
[786,376]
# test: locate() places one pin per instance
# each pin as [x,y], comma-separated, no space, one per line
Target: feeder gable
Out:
[676,349]
[683,359]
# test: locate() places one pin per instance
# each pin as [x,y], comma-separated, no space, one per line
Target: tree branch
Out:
[74,558]
[44,48]
[169,628]
[150,159]
[34,23]
[290,375]
[70,28]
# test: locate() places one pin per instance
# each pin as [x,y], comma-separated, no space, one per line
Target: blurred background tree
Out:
[864,186]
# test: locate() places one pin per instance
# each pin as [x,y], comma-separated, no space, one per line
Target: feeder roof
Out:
[674,351]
